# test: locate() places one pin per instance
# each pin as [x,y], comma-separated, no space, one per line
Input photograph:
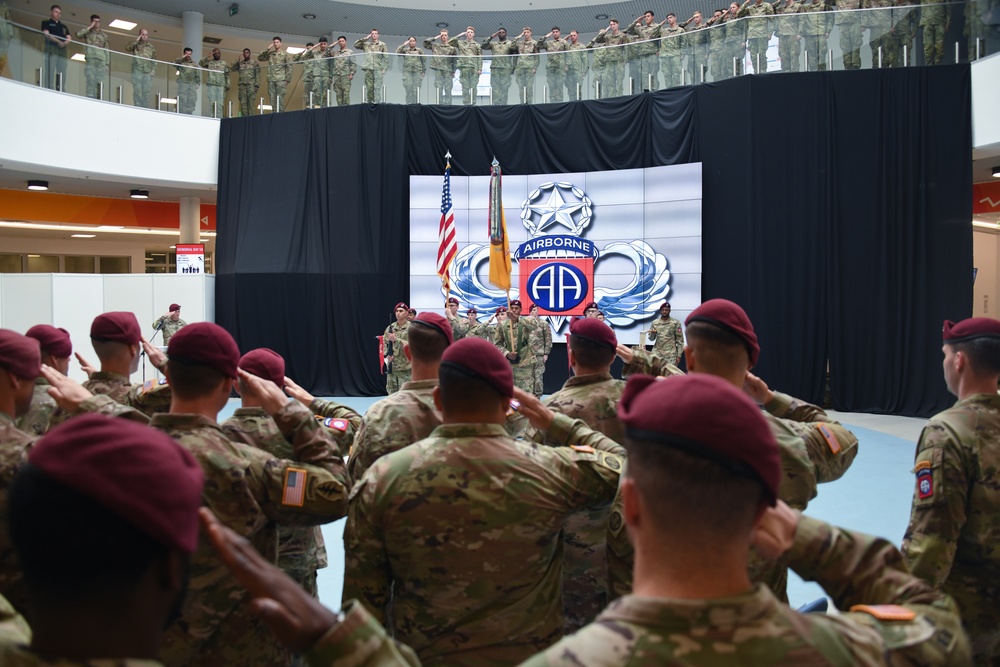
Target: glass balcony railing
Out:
[745,40]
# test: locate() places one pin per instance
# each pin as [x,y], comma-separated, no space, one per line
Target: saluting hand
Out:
[298,393]
[538,415]
[155,354]
[271,398]
[775,533]
[67,392]
[85,365]
[624,352]
[757,389]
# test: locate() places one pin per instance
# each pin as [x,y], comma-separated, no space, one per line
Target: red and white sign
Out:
[191,258]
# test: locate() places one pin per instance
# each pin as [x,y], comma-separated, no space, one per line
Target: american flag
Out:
[295,487]
[447,247]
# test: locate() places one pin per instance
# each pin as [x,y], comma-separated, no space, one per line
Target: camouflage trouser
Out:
[395,380]
[585,579]
[933,42]
[342,87]
[307,84]
[525,78]
[96,72]
[442,86]
[815,48]
[736,52]
[697,58]
[574,84]
[555,79]
[904,39]
[645,72]
[373,85]
[758,54]
[500,80]
[187,97]
[887,42]
[142,84]
[320,89]
[469,78]
[670,65]
[276,91]
[611,78]
[539,376]
[248,101]
[215,95]
[411,82]
[789,51]
[850,40]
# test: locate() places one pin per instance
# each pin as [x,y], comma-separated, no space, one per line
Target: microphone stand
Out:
[142,355]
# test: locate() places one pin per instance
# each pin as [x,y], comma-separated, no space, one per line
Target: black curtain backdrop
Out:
[836,210]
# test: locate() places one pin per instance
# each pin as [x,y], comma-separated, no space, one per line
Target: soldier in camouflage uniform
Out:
[647,34]
[98,56]
[170,323]
[953,540]
[591,395]
[374,65]
[527,65]
[851,25]
[759,29]
[279,73]
[344,68]
[216,85]
[414,68]
[904,19]
[789,39]
[6,34]
[409,414]
[248,77]
[555,63]
[723,501]
[143,55]
[518,349]
[459,329]
[470,63]
[935,18]
[56,348]
[576,66]
[188,80]
[729,41]
[695,44]
[443,65]
[671,51]
[461,553]
[540,341]
[882,42]
[609,59]
[816,24]
[315,73]
[667,335]
[501,65]
[395,335]
[476,328]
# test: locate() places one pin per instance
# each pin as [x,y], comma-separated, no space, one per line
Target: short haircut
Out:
[310,44]
[246,49]
[426,342]
[671,14]
[469,27]
[275,38]
[590,354]
[555,27]
[718,351]
[650,12]
[71,547]
[341,37]
[462,391]
[187,49]
[527,27]
[55,7]
[94,16]
[983,354]
[706,498]
[191,381]
[108,350]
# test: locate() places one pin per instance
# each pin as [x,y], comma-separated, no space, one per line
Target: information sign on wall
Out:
[191,258]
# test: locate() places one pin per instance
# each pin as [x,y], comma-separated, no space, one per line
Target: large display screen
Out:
[627,239]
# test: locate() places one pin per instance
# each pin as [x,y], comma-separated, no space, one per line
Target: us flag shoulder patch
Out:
[335,424]
[293,492]
[831,439]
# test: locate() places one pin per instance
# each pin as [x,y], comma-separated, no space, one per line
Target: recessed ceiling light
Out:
[139,194]
[38,185]
[996,172]
[601,17]
[309,16]
[79,57]
[83,236]
[34,255]
[441,24]
[122,25]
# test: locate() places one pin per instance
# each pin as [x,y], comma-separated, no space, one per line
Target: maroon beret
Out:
[20,355]
[265,364]
[412,311]
[116,327]
[473,311]
[974,327]
[53,341]
[707,417]
[135,471]
[402,305]
[515,302]
[205,344]
[174,307]
[727,315]
[594,330]
[665,303]
[435,321]
[592,304]
[501,309]
[483,360]
[453,300]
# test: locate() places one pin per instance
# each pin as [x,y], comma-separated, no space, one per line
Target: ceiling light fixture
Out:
[11,224]
[996,172]
[309,16]
[601,17]
[441,24]
[38,185]
[139,194]
[83,236]
[122,25]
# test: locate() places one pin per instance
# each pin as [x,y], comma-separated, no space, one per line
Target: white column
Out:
[193,24]
[190,220]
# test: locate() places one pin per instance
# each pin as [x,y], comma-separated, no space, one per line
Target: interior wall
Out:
[985,251]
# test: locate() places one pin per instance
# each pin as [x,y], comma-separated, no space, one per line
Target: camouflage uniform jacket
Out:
[97,45]
[671,43]
[301,549]
[251,492]
[502,49]
[953,539]
[149,398]
[469,52]
[218,75]
[759,25]
[645,36]
[316,63]
[343,64]
[375,54]
[36,420]
[279,64]
[14,446]
[144,53]
[555,48]
[528,48]
[480,330]
[415,61]
[668,339]
[592,398]
[576,58]
[817,20]
[394,422]
[187,72]
[399,361]
[788,25]
[455,537]
[521,346]
[441,51]
[167,325]
[612,48]
[645,362]
[540,338]
[459,327]
[340,421]
[248,72]
[756,629]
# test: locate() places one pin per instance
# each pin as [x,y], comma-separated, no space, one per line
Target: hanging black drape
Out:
[836,211]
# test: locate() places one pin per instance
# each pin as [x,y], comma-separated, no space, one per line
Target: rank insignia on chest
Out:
[335,424]
[925,480]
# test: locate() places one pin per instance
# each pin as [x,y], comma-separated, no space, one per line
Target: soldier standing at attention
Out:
[414,68]
[527,65]
[671,53]
[395,334]
[470,64]
[461,553]
[850,23]
[216,87]
[459,329]
[541,346]
[935,18]
[953,540]
[815,31]
[188,80]
[249,82]
[555,64]
[576,66]
[279,73]
[98,56]
[501,65]
[374,64]
[170,323]
[344,68]
[56,348]
[142,68]
[610,59]
[667,336]
[476,328]
[647,45]
[409,414]
[442,64]
[789,35]
[518,349]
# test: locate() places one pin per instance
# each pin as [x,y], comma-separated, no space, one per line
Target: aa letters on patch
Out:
[293,493]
